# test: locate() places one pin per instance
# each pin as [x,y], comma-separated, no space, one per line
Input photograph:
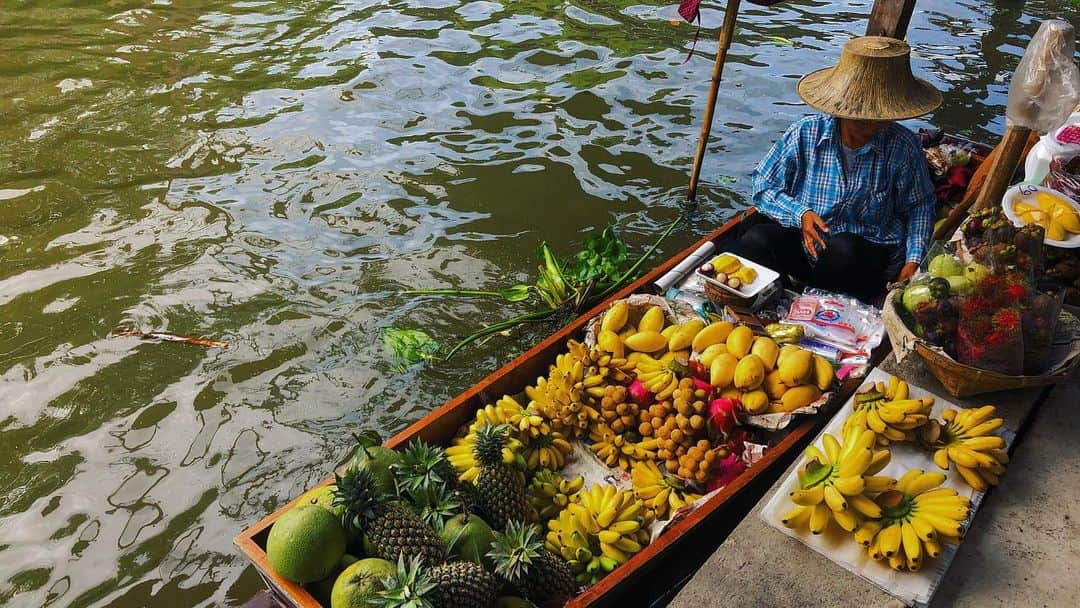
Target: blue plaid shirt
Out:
[886,195]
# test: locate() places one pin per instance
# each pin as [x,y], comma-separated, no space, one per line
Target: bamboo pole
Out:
[727,32]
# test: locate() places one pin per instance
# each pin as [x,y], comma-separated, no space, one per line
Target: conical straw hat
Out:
[872,81]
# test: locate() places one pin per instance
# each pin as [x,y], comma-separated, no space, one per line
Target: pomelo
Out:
[305,544]
[359,583]
[469,537]
[378,460]
[322,589]
[323,497]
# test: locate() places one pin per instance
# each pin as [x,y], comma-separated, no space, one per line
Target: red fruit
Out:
[703,385]
[722,415]
[725,472]
[698,371]
[639,394]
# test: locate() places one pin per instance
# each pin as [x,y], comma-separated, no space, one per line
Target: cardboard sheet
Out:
[913,588]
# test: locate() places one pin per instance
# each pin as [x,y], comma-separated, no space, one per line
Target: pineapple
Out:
[522,561]
[500,488]
[452,585]
[436,503]
[421,466]
[392,528]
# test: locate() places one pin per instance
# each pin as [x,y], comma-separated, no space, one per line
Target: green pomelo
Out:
[378,460]
[469,537]
[305,544]
[322,589]
[510,601]
[359,583]
[323,497]
[945,265]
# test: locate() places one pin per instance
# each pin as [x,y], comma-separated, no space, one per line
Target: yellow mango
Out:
[755,402]
[652,320]
[800,396]
[670,329]
[726,264]
[710,353]
[785,350]
[646,342]
[609,340]
[713,333]
[684,334]
[823,373]
[1020,208]
[1055,231]
[746,275]
[1069,220]
[1047,202]
[731,393]
[767,350]
[627,331]
[682,356]
[797,367]
[722,370]
[739,341]
[773,385]
[749,373]
[616,317]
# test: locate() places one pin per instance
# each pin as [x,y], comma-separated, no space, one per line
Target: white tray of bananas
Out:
[890,485]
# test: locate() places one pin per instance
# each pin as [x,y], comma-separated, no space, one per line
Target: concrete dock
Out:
[1023,547]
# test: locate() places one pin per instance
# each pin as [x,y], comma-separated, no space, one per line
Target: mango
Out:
[681,356]
[616,317]
[714,333]
[797,367]
[823,373]
[627,331]
[767,350]
[1055,231]
[746,275]
[726,264]
[652,320]
[755,402]
[731,393]
[722,370]
[646,342]
[670,329]
[707,356]
[749,373]
[683,336]
[800,396]
[609,340]
[739,341]
[774,387]
[1069,220]
[785,350]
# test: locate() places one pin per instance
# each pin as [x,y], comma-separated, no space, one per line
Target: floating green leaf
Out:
[409,346]
[780,40]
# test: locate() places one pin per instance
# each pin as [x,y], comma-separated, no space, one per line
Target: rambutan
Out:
[1007,320]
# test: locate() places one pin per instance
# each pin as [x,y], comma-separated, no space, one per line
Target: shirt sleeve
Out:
[917,198]
[773,178]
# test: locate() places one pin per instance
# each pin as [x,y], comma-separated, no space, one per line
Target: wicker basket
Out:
[722,297]
[959,379]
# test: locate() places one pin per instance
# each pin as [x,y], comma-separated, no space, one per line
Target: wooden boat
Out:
[439,427]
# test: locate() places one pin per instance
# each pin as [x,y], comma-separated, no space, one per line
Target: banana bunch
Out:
[886,410]
[836,484]
[546,451]
[967,439]
[608,367]
[561,396]
[916,519]
[615,449]
[661,378]
[504,411]
[549,493]
[460,455]
[600,529]
[662,494]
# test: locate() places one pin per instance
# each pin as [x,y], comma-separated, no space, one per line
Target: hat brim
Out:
[914,99]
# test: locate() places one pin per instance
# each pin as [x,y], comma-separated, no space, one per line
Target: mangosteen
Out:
[939,288]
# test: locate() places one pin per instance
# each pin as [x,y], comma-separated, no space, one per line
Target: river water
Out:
[273,173]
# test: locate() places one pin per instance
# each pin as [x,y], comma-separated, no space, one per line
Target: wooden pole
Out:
[727,32]
[890,18]
[1010,150]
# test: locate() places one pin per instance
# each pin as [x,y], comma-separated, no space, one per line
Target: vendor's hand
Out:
[906,272]
[812,229]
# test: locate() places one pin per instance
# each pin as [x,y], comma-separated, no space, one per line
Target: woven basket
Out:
[962,380]
[722,297]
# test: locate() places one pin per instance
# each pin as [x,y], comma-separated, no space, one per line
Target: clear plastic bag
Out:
[1046,85]
[1039,321]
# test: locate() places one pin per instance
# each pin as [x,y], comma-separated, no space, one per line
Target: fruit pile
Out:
[492,513]
[729,270]
[899,521]
[1055,215]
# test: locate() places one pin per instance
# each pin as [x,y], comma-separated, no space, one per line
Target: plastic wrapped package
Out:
[1046,85]
[1039,321]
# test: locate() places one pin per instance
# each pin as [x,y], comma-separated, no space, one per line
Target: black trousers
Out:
[850,264]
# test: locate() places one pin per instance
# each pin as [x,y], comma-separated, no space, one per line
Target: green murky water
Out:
[271,173]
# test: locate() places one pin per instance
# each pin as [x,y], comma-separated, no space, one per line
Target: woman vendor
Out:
[845,198]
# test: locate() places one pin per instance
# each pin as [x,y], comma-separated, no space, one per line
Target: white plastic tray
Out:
[913,588]
[765,277]
[1008,202]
